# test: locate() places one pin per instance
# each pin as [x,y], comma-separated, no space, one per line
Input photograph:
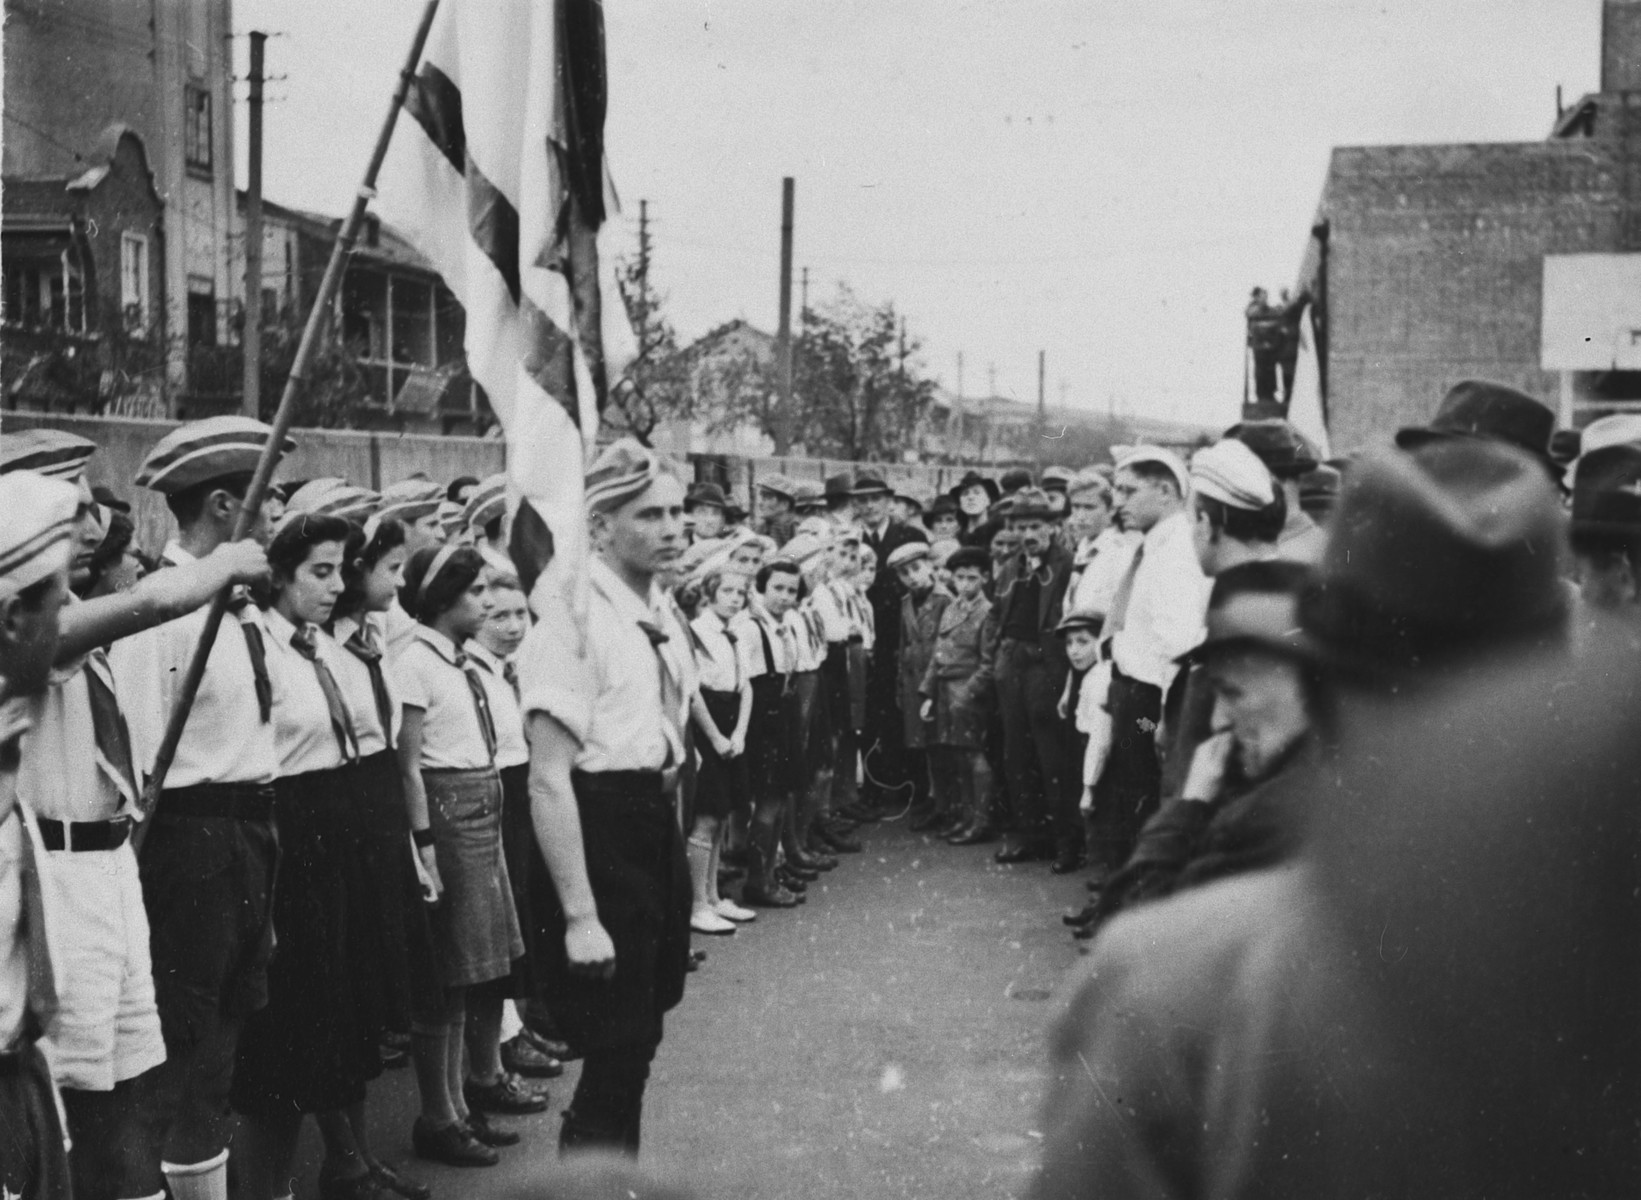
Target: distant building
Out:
[80,72]
[1511,262]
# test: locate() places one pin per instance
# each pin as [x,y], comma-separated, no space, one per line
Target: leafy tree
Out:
[859,388]
[655,387]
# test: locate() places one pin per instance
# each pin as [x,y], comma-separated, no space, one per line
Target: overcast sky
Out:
[1101,179]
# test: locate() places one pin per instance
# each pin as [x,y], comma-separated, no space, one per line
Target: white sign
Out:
[1592,312]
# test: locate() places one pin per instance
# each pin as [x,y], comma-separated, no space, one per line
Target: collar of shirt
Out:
[176,555]
[622,598]
[480,653]
[279,627]
[438,643]
[1166,530]
[343,628]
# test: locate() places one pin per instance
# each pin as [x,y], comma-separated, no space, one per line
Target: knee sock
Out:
[206,1180]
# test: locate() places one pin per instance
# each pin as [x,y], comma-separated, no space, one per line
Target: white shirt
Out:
[511,748]
[58,776]
[783,644]
[726,665]
[225,740]
[605,688]
[398,628]
[1167,606]
[807,630]
[1107,563]
[452,738]
[303,733]
[353,677]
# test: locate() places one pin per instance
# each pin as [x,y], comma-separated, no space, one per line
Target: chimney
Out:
[1621,46]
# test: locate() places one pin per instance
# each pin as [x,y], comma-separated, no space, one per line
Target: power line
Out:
[46,137]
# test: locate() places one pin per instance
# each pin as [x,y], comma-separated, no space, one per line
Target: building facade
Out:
[1427,264]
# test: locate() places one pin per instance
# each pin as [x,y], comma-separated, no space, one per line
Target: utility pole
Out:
[783,336]
[251,336]
[959,374]
[641,308]
[803,306]
[1042,408]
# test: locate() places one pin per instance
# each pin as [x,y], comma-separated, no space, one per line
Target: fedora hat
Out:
[868,483]
[1282,448]
[1030,504]
[1014,479]
[975,479]
[1607,491]
[776,485]
[1255,606]
[1438,556]
[839,487]
[709,494]
[1475,409]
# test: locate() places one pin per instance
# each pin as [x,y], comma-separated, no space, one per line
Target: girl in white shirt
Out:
[310,1049]
[447,759]
[721,708]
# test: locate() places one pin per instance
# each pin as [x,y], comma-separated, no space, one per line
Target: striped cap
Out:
[450,517]
[34,537]
[49,452]
[201,451]
[486,503]
[621,473]
[332,497]
[1234,475]
[410,500]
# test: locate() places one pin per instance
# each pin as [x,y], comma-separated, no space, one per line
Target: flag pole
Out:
[294,386]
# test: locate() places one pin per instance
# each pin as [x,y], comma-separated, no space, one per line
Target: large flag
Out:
[1306,410]
[497,176]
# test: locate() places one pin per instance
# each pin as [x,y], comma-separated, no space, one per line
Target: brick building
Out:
[78,72]
[1427,264]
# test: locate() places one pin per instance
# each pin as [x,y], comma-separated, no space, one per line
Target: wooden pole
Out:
[783,335]
[251,338]
[305,351]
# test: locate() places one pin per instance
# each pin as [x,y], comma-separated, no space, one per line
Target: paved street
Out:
[885,1040]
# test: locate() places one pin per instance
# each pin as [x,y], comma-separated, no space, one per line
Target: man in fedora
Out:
[1606,529]
[1386,1016]
[776,501]
[705,505]
[889,780]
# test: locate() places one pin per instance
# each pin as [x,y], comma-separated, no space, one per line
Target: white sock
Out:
[206,1180]
[511,1025]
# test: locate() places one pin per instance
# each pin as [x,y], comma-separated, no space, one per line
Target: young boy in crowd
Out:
[1086,689]
[954,707]
[920,611]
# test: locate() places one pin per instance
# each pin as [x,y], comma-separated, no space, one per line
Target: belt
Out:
[77,836]
[619,783]
[222,801]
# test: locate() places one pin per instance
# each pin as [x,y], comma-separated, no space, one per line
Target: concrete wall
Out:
[1435,264]
[376,459]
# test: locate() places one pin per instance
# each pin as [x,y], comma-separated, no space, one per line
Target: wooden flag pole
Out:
[294,386]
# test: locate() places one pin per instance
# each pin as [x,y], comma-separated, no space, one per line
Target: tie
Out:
[110,735]
[510,672]
[1118,617]
[481,702]
[359,646]
[672,696]
[302,641]
[242,608]
[734,657]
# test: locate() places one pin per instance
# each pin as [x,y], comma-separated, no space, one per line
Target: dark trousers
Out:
[960,777]
[1037,749]
[32,1160]
[116,1140]
[608,1107]
[1127,793]
[883,738]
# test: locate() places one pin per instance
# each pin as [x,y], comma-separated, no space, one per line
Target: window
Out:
[44,289]
[202,312]
[134,283]
[196,127]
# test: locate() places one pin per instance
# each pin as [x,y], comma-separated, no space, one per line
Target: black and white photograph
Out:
[772,600]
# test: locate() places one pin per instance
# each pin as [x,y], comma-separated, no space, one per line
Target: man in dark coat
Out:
[889,781]
[1029,671]
[1438,998]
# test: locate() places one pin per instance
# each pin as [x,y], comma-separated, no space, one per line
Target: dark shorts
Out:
[641,884]
[207,883]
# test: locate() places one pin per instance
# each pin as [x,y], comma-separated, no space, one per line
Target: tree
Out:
[859,391]
[656,385]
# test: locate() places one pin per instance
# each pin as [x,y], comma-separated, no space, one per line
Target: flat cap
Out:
[909,553]
[202,451]
[34,537]
[1057,479]
[1232,474]
[1134,455]
[50,452]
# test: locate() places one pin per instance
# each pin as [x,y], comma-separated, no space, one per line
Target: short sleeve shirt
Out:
[303,732]
[358,693]
[511,748]
[726,665]
[605,688]
[429,679]
[58,776]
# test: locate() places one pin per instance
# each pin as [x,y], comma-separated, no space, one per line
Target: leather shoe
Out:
[799,870]
[1021,852]
[522,1057]
[506,1095]
[453,1145]
[839,843]
[490,1135]
[925,821]
[389,1177]
[1067,861]
[974,835]
[791,883]
[779,897]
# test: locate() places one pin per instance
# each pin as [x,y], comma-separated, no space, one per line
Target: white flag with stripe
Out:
[496,174]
